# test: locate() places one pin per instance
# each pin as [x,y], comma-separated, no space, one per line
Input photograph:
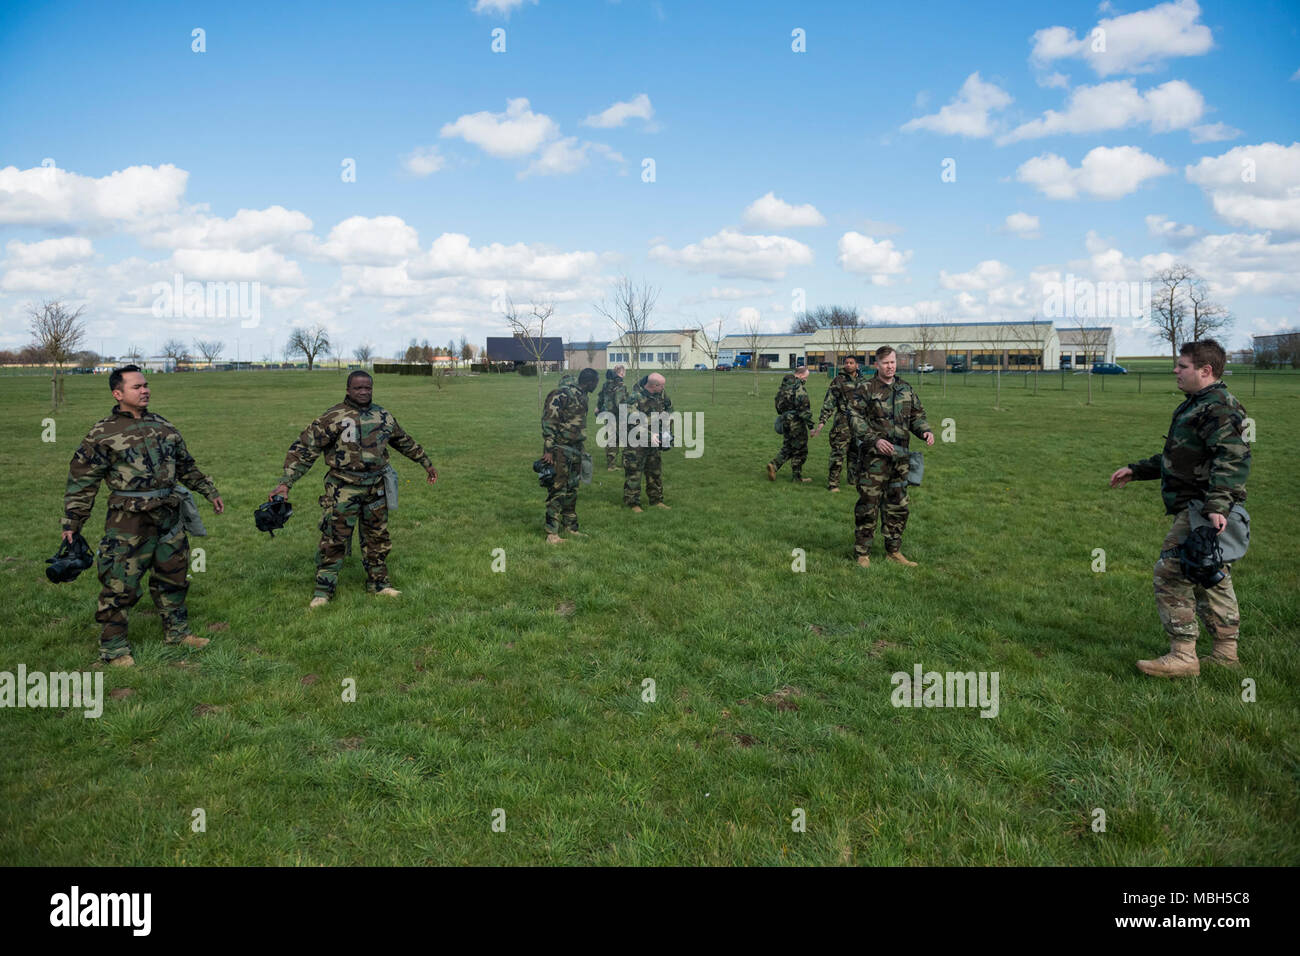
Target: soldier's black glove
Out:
[271,515]
[71,559]
[1201,558]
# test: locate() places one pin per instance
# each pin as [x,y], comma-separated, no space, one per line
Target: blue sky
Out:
[521,172]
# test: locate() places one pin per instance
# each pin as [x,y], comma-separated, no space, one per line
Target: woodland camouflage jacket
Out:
[1206,458]
[129,454]
[354,439]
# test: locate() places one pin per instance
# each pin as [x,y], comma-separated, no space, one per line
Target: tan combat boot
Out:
[575,533]
[660,504]
[771,472]
[1224,653]
[319,601]
[637,509]
[864,561]
[554,539]
[189,640]
[126,660]
[388,592]
[897,558]
[1179,662]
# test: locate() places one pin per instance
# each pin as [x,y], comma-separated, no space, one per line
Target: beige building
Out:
[1080,347]
[666,349]
[1011,346]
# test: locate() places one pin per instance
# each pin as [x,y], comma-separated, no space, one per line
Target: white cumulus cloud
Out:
[731,253]
[47,252]
[377,241]
[984,276]
[637,108]
[769,212]
[512,134]
[1022,224]
[1132,43]
[1116,105]
[880,260]
[48,196]
[968,113]
[1256,186]
[1105,173]
[423,161]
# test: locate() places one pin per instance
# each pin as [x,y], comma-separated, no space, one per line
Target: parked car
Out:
[958,367]
[1108,368]
[927,367]
[701,367]
[724,367]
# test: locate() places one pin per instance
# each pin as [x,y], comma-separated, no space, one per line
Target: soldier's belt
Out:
[569,448]
[359,477]
[154,493]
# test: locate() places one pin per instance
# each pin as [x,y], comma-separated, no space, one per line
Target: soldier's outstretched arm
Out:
[1146,469]
[303,453]
[89,466]
[828,406]
[918,425]
[190,476]
[409,447]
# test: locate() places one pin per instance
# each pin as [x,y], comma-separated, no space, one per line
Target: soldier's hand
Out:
[281,490]
[1121,477]
[929,438]
[884,447]
[67,536]
[817,431]
[433,474]
[547,457]
[218,505]
[1219,521]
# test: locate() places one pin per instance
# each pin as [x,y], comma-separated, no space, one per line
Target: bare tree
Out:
[629,307]
[364,353]
[591,351]
[58,332]
[311,342]
[711,345]
[946,336]
[466,350]
[210,349]
[993,340]
[753,339]
[805,323]
[133,354]
[176,350]
[522,327]
[1169,306]
[927,337]
[1093,339]
[1208,318]
[1027,338]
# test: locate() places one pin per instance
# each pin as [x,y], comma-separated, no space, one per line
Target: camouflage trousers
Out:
[841,440]
[135,542]
[636,462]
[882,495]
[1180,602]
[611,452]
[794,447]
[562,496]
[344,506]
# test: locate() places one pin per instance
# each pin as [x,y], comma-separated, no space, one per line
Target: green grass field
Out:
[523,690]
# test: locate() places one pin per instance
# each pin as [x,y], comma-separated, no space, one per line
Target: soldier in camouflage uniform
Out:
[140,456]
[882,413]
[1207,460]
[564,429]
[641,456]
[796,418]
[612,394]
[353,435]
[836,403]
